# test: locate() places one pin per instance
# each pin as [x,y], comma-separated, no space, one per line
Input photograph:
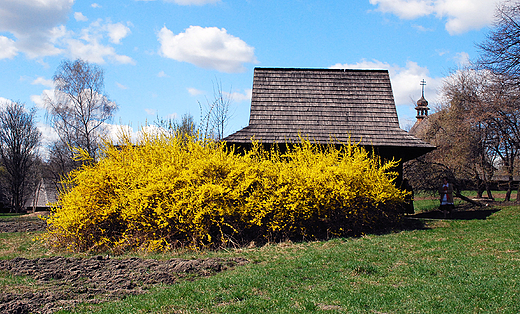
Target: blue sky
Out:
[162,58]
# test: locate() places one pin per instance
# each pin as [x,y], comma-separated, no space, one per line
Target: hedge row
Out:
[168,192]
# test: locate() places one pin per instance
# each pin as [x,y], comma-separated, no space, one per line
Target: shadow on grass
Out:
[461,212]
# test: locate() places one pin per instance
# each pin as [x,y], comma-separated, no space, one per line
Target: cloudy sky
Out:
[162,58]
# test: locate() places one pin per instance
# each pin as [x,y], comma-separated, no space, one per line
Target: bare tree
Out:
[59,163]
[461,137]
[466,93]
[502,116]
[79,110]
[220,115]
[19,141]
[501,49]
[216,116]
[185,128]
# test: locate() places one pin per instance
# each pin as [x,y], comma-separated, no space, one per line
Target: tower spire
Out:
[423,83]
[422,105]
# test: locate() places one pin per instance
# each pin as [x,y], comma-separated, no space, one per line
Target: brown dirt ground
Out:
[61,282]
[47,285]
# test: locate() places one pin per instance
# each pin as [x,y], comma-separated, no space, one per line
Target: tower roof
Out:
[422,102]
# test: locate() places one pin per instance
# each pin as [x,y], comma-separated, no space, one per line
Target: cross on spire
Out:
[423,83]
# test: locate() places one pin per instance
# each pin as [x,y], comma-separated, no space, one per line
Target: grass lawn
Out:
[427,202]
[450,266]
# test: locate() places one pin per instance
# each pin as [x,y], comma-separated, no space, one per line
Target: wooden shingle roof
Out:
[325,105]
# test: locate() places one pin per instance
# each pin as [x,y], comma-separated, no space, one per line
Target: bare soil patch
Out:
[22,225]
[61,282]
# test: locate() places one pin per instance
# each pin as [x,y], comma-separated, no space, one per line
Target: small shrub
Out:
[167,192]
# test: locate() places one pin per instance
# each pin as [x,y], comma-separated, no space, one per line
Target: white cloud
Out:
[209,48]
[117,31]
[121,86]
[4,101]
[7,48]
[40,100]
[461,15]
[44,15]
[238,97]
[89,46]
[95,5]
[405,9]
[48,134]
[193,2]
[162,74]
[171,116]
[194,91]
[421,28]
[150,112]
[405,81]
[34,34]
[462,59]
[80,17]
[187,2]
[37,26]
[42,81]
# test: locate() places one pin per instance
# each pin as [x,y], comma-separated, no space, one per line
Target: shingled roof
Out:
[325,105]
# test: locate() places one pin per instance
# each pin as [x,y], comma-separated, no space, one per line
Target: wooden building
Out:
[325,105]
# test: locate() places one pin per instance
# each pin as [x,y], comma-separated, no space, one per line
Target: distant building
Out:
[44,195]
[325,105]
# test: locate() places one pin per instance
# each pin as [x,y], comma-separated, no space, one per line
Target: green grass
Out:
[426,202]
[450,267]
[466,266]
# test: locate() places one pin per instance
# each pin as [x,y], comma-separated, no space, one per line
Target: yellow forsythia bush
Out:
[166,192]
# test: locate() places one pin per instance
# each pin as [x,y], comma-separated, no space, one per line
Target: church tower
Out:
[422,105]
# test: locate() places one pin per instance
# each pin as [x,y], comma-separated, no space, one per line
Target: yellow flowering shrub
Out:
[166,192]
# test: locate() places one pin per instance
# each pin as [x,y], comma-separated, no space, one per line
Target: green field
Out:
[447,266]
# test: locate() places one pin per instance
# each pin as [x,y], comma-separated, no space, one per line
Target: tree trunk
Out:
[518,193]
[480,187]
[488,189]
[509,189]
[469,200]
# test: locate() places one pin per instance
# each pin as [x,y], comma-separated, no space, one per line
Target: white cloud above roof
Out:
[240,97]
[207,47]
[461,15]
[405,80]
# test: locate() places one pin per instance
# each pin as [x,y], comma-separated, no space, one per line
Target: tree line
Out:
[79,112]
[477,127]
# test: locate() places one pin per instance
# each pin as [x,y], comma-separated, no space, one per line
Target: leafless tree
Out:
[216,116]
[79,110]
[461,136]
[501,49]
[59,163]
[220,115]
[502,117]
[185,128]
[19,141]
